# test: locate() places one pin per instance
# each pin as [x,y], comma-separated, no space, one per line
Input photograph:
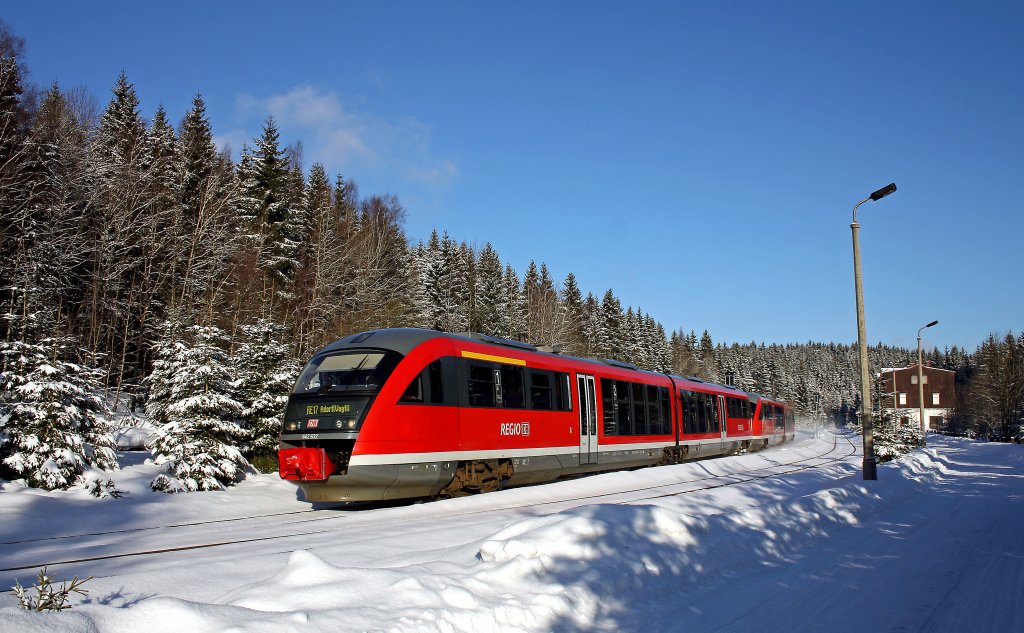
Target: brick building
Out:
[899,393]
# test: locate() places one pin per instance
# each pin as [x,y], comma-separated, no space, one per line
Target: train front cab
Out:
[360,402]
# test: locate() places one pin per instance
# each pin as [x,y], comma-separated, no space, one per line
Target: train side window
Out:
[666,411]
[714,426]
[436,379]
[653,411]
[705,417]
[513,395]
[481,385]
[684,406]
[702,413]
[623,411]
[540,390]
[414,393]
[608,406]
[639,409]
[563,393]
[692,420]
[426,387]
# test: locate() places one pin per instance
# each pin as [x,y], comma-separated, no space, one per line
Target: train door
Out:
[588,419]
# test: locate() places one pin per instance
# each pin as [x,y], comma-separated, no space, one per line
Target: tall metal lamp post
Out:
[920,383]
[870,466]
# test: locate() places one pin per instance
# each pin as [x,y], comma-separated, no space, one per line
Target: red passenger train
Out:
[407,413]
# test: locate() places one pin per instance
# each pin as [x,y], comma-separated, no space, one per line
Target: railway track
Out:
[139,543]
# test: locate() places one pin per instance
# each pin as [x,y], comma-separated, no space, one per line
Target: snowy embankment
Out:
[932,545]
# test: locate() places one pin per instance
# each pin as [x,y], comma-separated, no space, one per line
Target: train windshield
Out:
[346,371]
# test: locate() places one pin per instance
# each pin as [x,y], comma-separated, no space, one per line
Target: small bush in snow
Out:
[893,439]
[101,489]
[47,597]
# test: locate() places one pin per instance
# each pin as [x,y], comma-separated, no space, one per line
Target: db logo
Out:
[515,428]
[312,424]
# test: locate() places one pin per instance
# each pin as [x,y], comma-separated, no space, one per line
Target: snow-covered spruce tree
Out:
[892,440]
[568,324]
[266,372]
[200,435]
[270,212]
[489,292]
[513,308]
[52,427]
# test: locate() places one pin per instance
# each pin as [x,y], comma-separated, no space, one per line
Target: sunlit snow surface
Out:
[933,545]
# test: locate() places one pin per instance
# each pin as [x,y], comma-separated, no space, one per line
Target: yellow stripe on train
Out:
[494,359]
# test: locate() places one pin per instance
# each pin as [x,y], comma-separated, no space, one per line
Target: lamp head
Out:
[883,192]
[932,323]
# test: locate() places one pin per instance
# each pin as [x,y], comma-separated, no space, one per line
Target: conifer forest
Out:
[145,272]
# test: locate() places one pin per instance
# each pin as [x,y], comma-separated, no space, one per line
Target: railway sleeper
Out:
[479,476]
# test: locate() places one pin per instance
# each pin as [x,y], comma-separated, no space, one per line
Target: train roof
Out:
[404,340]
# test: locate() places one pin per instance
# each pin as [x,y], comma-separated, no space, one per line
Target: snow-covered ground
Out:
[720,545]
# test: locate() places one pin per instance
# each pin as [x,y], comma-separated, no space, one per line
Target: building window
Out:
[935,399]
[903,398]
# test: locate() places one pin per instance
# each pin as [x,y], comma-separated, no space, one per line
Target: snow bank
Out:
[647,566]
[577,570]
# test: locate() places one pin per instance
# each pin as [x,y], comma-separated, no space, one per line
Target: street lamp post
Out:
[870,466]
[920,383]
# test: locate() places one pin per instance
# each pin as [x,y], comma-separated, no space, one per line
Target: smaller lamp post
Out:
[920,383]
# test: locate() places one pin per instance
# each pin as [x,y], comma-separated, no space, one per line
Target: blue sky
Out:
[701,158]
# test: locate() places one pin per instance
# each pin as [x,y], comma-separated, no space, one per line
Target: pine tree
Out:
[321,278]
[198,161]
[591,326]
[490,293]
[208,239]
[379,250]
[198,444]
[610,340]
[124,231]
[532,298]
[513,318]
[267,206]
[447,285]
[52,424]
[547,307]
[265,372]
[708,365]
[570,322]
[14,165]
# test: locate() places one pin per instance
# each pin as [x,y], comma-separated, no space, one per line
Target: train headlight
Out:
[350,424]
[291,426]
